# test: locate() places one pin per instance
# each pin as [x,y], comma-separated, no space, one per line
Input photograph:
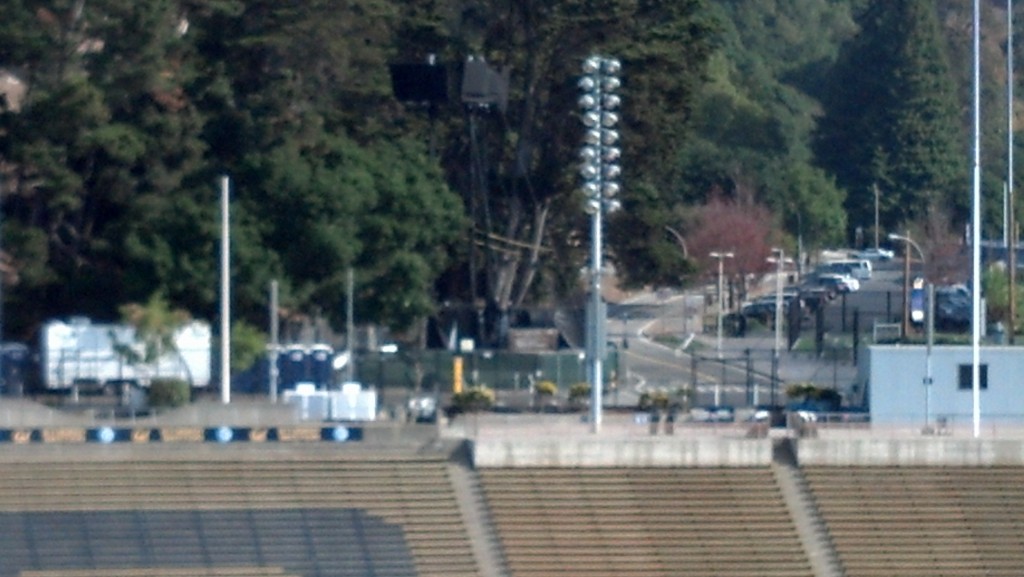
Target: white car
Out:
[876,254]
[839,283]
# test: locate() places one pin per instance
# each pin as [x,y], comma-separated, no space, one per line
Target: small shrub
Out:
[800,390]
[547,388]
[477,398]
[654,400]
[169,393]
[579,392]
[822,398]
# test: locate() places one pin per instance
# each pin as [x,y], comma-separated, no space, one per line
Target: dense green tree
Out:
[753,118]
[647,250]
[529,218]
[892,120]
[323,208]
[109,167]
[103,128]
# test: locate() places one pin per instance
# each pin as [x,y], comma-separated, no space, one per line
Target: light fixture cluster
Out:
[599,156]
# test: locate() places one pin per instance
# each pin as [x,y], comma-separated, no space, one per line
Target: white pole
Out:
[976,232]
[720,256]
[350,326]
[225,292]
[778,304]
[274,344]
[1011,217]
[875,186]
[718,344]
[596,333]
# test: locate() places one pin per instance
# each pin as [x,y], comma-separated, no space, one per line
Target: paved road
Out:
[741,375]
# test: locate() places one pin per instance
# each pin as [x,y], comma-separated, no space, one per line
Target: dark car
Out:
[953,310]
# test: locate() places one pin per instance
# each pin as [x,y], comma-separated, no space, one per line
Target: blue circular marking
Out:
[340,434]
[224,434]
[105,435]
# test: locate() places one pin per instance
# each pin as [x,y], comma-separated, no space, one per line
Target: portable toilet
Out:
[291,366]
[319,361]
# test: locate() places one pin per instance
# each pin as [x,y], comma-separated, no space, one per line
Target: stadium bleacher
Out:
[547,505]
[718,522]
[319,515]
[923,521]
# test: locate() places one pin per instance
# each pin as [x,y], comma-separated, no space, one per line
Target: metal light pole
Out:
[780,260]
[1011,224]
[875,188]
[600,172]
[225,290]
[274,349]
[906,275]
[929,319]
[976,229]
[720,256]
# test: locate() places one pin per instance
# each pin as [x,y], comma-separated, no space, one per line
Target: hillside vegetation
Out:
[745,124]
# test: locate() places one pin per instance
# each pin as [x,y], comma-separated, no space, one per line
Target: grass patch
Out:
[667,339]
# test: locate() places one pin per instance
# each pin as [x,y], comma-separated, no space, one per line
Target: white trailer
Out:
[86,354]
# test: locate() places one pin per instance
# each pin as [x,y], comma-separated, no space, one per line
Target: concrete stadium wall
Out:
[604,452]
[933,452]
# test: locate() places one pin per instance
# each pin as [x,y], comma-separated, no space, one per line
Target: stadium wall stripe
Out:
[220,434]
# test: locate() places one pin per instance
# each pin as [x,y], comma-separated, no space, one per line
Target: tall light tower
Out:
[600,172]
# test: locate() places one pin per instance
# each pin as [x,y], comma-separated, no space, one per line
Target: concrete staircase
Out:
[476,515]
[802,508]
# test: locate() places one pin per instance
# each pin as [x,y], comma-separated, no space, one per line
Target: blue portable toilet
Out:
[319,359]
[17,360]
[291,366]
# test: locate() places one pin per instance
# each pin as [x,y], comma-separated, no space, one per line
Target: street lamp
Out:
[720,256]
[779,259]
[906,275]
[929,320]
[600,171]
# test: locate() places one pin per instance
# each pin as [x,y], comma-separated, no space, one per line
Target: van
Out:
[858,269]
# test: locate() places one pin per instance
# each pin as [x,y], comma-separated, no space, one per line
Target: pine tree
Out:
[891,117]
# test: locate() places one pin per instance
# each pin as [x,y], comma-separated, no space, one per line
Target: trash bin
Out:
[654,420]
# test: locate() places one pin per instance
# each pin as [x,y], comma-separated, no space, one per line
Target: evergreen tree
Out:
[105,129]
[891,118]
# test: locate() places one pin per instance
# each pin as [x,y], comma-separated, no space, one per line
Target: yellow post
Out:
[457,375]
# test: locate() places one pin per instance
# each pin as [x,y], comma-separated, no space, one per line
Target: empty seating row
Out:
[643,522]
[310,517]
[923,521]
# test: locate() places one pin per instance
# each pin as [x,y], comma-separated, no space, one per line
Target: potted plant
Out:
[579,395]
[544,394]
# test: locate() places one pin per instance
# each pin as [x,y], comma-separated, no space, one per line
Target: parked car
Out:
[882,254]
[859,269]
[713,414]
[953,309]
[838,283]
[763,308]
